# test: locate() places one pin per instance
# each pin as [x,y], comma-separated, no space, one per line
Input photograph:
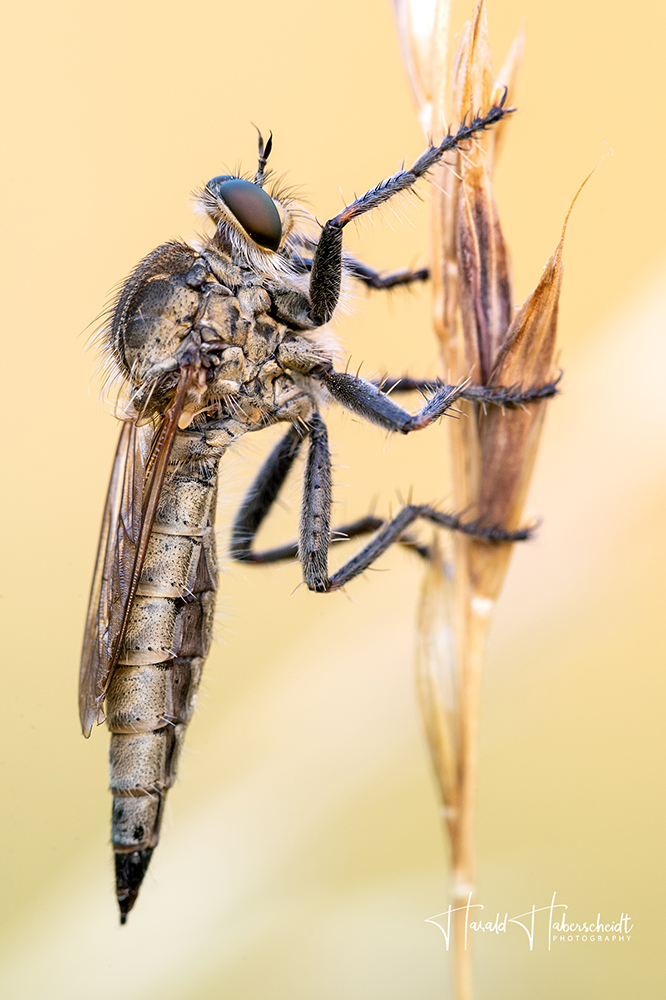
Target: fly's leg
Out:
[316,513]
[315,530]
[259,500]
[369,276]
[385,282]
[355,529]
[327,264]
[498,395]
[261,497]
[367,401]
[392,532]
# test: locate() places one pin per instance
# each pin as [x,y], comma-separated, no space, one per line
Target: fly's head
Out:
[246,214]
[257,227]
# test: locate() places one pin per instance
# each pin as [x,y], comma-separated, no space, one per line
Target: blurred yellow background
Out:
[301,853]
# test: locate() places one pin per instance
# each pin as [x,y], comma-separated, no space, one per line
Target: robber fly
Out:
[213,341]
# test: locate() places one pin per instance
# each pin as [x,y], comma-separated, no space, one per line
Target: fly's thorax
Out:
[162,316]
[238,332]
[253,376]
[160,308]
[250,333]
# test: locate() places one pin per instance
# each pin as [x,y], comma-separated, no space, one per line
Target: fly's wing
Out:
[113,569]
[137,476]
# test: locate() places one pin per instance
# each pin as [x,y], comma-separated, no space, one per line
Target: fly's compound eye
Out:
[253,208]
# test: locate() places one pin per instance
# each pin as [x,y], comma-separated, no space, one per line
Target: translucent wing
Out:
[113,570]
[137,476]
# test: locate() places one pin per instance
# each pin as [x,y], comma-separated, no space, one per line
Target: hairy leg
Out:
[368,275]
[262,495]
[327,264]
[315,523]
[497,395]
[316,535]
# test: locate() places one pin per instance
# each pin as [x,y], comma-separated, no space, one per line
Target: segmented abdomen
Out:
[152,694]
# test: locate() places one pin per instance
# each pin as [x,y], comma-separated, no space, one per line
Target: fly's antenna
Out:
[264,153]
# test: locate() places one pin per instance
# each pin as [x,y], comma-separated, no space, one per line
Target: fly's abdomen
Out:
[153,690]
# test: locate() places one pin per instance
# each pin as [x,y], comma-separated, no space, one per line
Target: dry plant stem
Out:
[462,958]
[492,451]
[469,633]
[449,706]
[438,689]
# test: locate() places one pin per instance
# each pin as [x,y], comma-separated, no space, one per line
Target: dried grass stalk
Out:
[493,450]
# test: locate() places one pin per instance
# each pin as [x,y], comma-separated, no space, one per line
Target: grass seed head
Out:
[482,338]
